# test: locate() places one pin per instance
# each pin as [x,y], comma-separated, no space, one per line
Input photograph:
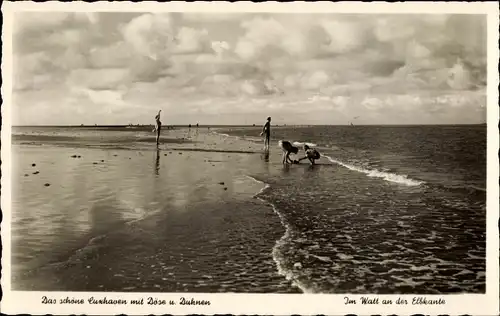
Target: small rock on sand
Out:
[221,183]
[33,164]
[115,155]
[74,156]
[95,163]
[164,154]
[225,189]
[180,153]
[25,174]
[79,156]
[47,184]
[102,160]
[36,172]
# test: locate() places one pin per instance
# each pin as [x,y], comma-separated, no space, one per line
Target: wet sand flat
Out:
[179,218]
[210,212]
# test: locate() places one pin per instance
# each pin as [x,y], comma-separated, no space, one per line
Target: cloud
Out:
[29,67]
[255,87]
[42,21]
[459,77]
[35,31]
[97,79]
[262,39]
[213,17]
[344,36]
[362,47]
[219,47]
[109,98]
[316,80]
[151,35]
[372,103]
[190,40]
[114,55]
[345,64]
[147,69]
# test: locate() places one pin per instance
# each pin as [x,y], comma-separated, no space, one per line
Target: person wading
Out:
[267,131]
[157,128]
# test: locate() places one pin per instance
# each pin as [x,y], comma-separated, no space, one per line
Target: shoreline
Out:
[288,275]
[216,183]
[60,275]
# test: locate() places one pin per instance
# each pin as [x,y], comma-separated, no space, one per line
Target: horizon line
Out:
[247,125]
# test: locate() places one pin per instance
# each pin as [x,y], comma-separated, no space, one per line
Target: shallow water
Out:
[388,210]
[371,225]
[179,218]
[449,156]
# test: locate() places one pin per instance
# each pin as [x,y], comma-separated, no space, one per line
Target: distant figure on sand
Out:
[157,128]
[267,131]
[311,154]
[288,149]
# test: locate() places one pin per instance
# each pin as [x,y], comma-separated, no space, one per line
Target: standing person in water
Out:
[267,131]
[157,128]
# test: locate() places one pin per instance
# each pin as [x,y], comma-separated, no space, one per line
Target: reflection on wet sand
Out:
[265,156]
[157,162]
[286,168]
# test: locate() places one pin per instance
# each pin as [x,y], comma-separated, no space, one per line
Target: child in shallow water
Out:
[311,154]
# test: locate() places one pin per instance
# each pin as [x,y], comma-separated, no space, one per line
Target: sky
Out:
[239,68]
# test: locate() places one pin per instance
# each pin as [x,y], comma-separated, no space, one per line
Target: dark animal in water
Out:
[288,149]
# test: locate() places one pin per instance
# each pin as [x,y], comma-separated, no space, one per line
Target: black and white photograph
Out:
[250,152]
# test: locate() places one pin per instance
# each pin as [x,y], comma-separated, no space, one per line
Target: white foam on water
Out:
[344,257]
[301,144]
[226,136]
[473,256]
[221,134]
[266,185]
[391,177]
[430,267]
[321,258]
[277,257]
[464,272]
[477,188]
[406,281]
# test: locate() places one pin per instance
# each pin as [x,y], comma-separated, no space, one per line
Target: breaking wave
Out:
[391,177]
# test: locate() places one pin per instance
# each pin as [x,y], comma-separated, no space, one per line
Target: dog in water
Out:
[288,149]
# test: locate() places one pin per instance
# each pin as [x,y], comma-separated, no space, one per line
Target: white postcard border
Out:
[14,302]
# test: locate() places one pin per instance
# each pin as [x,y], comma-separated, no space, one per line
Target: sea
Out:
[405,214]
[386,209]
